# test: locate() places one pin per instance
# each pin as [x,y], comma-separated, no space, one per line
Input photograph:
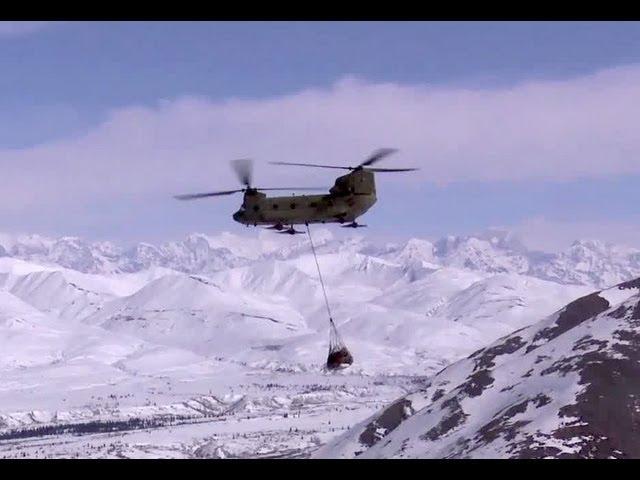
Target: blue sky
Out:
[71,89]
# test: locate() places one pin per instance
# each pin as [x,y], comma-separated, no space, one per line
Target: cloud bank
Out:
[551,130]
[18,29]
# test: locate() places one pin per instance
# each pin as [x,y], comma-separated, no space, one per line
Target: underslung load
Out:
[339,355]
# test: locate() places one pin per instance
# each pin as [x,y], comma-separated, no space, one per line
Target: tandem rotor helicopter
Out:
[349,198]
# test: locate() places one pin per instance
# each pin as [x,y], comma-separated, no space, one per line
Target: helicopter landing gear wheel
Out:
[353,224]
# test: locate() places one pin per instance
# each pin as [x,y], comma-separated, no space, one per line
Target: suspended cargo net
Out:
[339,355]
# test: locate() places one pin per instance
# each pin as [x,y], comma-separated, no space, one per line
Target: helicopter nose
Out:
[238,216]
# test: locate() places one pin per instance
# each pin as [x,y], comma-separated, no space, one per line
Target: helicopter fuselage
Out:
[350,197]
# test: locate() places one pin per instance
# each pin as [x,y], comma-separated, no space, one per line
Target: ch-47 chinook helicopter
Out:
[349,198]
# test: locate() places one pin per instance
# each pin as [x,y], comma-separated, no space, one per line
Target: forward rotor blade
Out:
[244,170]
[392,169]
[378,155]
[193,196]
[311,165]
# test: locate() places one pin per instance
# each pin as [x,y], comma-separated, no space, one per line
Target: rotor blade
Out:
[193,196]
[311,165]
[295,188]
[244,169]
[392,169]
[378,155]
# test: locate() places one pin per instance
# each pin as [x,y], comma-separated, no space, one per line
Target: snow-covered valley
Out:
[214,346]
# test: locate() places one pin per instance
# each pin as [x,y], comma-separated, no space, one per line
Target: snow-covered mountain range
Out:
[585,262]
[215,315]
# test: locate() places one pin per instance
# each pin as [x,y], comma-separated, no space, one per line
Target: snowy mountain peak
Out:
[25,244]
[590,244]
[492,255]
[591,262]
[420,248]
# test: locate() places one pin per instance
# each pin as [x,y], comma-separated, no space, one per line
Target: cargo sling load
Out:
[339,355]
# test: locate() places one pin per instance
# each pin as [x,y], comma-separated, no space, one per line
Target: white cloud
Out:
[557,130]
[17,28]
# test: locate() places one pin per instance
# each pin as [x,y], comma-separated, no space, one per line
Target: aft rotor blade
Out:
[378,155]
[244,169]
[392,169]
[311,165]
[295,188]
[193,196]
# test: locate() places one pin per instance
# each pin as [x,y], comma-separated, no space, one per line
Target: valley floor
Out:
[256,414]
